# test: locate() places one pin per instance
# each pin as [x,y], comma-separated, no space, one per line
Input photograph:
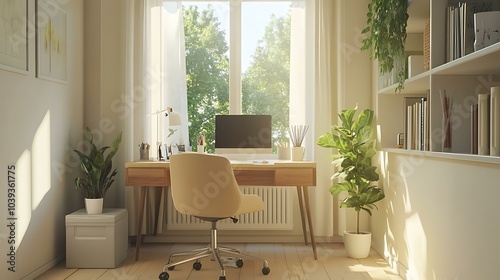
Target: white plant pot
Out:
[357,246]
[93,205]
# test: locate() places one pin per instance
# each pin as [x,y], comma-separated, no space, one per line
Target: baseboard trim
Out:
[44,268]
[401,269]
[239,239]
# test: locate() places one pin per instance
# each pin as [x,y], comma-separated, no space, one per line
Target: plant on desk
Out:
[97,167]
[355,145]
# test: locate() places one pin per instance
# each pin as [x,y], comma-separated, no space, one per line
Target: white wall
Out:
[354,81]
[439,219]
[104,99]
[41,122]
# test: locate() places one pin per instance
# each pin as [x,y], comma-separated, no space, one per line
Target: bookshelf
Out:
[462,78]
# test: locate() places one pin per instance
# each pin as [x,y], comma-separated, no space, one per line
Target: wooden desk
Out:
[299,174]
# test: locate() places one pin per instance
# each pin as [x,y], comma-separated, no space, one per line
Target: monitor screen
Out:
[244,134]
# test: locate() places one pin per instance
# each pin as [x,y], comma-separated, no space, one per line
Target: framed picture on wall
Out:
[51,41]
[13,35]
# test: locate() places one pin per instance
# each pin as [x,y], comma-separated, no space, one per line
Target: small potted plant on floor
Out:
[97,167]
[355,145]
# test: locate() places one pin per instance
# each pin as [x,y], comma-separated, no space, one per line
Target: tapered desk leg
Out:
[139,225]
[302,216]
[309,220]
[158,195]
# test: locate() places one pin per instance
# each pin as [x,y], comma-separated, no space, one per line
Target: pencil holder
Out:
[284,153]
[144,153]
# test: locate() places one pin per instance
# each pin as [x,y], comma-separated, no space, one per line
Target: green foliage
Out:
[207,73]
[386,29]
[355,146]
[97,166]
[265,85]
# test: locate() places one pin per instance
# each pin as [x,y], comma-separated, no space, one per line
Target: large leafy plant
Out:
[386,29]
[353,139]
[97,166]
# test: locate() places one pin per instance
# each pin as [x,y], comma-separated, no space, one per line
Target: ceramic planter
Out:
[357,246]
[93,205]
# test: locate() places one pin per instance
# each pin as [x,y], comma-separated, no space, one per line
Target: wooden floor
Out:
[287,261]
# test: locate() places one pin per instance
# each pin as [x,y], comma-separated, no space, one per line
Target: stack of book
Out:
[485,123]
[416,123]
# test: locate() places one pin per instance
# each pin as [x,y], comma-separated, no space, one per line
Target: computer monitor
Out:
[243,134]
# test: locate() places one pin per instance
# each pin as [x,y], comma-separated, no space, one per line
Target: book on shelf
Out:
[495,121]
[483,124]
[416,123]
[447,110]
[473,125]
[409,142]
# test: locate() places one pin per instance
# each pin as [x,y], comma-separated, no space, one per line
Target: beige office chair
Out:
[204,186]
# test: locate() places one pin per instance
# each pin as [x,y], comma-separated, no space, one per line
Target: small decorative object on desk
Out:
[144,151]
[283,151]
[447,106]
[297,135]
[201,144]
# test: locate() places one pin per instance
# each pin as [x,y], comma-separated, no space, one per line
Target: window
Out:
[237,61]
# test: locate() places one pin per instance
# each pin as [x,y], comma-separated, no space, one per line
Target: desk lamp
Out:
[174,119]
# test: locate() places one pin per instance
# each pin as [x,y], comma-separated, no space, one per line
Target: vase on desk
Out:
[201,149]
[298,153]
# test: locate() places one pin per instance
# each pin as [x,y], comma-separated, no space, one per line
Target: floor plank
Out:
[290,261]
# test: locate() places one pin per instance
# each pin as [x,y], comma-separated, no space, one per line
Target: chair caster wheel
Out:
[222,277]
[197,265]
[164,276]
[239,263]
[266,270]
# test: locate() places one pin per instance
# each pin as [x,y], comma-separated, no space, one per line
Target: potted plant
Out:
[386,29]
[353,139]
[97,167]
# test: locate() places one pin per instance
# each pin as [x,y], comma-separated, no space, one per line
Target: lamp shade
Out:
[174,119]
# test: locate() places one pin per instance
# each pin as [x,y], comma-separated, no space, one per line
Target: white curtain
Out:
[156,80]
[311,97]
[324,80]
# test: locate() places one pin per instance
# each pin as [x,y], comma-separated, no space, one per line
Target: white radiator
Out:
[277,214]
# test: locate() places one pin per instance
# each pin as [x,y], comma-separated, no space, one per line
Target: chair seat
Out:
[250,203]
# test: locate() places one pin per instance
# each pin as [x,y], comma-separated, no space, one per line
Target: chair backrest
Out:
[203,185]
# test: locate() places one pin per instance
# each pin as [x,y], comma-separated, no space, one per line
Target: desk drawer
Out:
[295,177]
[147,177]
[254,177]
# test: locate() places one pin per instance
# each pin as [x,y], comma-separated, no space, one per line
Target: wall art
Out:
[13,35]
[51,41]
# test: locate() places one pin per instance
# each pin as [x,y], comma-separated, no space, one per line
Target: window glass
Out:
[266,62]
[264,57]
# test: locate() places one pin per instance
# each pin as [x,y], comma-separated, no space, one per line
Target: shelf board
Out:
[441,155]
[415,85]
[476,63]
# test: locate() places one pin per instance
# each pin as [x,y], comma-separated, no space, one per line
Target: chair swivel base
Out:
[214,252]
